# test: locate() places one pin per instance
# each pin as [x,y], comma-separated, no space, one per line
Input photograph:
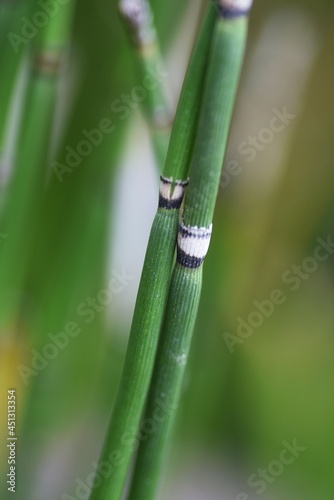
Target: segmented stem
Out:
[226,55]
[152,294]
[139,19]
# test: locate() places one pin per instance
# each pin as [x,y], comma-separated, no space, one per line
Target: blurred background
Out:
[261,371]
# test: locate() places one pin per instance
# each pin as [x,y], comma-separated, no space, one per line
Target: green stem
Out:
[167,379]
[186,119]
[210,146]
[138,18]
[27,184]
[226,56]
[152,294]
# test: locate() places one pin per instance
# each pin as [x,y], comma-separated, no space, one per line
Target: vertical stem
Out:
[151,300]
[27,184]
[138,18]
[224,67]
[167,379]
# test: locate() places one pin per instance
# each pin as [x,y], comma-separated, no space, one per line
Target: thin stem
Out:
[226,56]
[153,289]
[27,184]
[186,119]
[139,20]
[222,80]
[167,379]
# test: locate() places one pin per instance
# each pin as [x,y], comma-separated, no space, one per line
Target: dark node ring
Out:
[171,200]
[231,10]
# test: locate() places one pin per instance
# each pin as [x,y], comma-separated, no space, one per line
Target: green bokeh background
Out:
[277,385]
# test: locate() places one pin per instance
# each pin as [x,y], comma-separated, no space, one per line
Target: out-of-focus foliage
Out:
[238,408]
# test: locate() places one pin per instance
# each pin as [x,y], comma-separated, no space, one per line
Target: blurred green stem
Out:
[139,20]
[27,184]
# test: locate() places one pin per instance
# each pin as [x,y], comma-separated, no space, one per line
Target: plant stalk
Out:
[153,289]
[138,18]
[224,67]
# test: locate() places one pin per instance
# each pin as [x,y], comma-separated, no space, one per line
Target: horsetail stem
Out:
[27,184]
[226,55]
[167,378]
[184,129]
[138,18]
[153,289]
